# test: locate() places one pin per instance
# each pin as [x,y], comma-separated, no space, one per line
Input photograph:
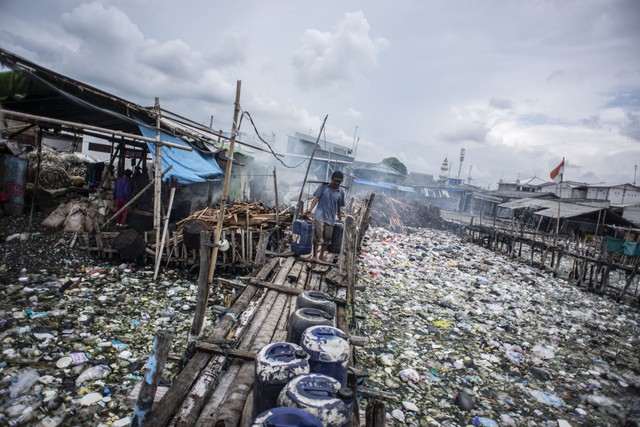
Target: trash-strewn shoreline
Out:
[462,335]
[451,325]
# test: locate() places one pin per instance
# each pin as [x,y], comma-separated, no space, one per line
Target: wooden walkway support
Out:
[586,262]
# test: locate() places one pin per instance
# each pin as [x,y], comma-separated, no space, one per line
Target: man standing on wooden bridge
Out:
[329,198]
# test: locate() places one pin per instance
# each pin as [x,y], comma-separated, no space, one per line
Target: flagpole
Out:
[555,238]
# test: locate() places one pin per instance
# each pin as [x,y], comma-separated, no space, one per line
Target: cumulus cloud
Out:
[113,51]
[475,131]
[338,59]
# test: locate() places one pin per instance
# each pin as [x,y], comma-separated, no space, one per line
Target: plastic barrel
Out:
[301,237]
[321,396]
[302,318]
[180,211]
[336,238]
[328,349]
[286,417]
[276,364]
[316,299]
[129,244]
[191,232]
[140,220]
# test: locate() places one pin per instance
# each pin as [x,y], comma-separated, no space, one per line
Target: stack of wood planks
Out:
[241,214]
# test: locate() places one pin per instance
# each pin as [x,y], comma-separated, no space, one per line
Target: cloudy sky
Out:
[518,83]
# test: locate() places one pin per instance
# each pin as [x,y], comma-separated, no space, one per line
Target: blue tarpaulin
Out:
[189,167]
[386,185]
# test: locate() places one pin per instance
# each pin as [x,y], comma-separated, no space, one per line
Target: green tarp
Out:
[15,86]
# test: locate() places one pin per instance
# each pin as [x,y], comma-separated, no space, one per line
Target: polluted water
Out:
[460,335]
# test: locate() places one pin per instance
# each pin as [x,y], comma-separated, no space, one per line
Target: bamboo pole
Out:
[225,188]
[306,174]
[275,188]
[160,249]
[77,125]
[157,179]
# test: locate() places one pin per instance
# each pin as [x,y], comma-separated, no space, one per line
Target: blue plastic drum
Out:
[286,417]
[303,318]
[301,237]
[321,396]
[316,299]
[329,350]
[276,364]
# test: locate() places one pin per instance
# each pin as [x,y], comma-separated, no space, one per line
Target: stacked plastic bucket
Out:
[302,382]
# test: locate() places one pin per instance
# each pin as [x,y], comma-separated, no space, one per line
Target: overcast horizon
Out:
[518,84]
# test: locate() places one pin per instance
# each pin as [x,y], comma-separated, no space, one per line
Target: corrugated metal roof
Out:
[487,197]
[567,210]
[549,208]
[529,203]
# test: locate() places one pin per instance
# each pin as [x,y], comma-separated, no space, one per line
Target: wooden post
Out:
[557,264]
[351,235]
[203,285]
[160,248]
[225,188]
[261,250]
[155,365]
[375,414]
[275,188]
[38,131]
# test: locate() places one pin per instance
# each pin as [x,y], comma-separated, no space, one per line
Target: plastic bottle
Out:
[93,373]
[23,383]
[484,422]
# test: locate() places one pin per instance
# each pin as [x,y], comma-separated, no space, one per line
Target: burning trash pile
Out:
[461,335]
[395,214]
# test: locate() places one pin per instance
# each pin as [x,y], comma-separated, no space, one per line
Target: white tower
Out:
[444,171]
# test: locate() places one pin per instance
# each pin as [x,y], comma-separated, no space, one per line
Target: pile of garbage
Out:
[395,214]
[81,215]
[57,170]
[75,346]
[460,335]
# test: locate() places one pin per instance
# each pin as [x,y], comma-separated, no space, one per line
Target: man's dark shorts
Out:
[322,232]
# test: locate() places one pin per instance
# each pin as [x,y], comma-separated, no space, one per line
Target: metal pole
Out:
[555,238]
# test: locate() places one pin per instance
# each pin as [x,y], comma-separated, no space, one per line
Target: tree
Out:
[395,164]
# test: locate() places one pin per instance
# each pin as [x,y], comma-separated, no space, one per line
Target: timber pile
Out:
[243,214]
[215,387]
[241,226]
[395,214]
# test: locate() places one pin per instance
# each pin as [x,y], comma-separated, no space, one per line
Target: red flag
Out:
[557,173]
